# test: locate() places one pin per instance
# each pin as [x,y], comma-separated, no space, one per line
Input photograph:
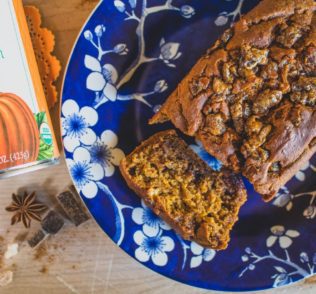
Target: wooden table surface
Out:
[78,260]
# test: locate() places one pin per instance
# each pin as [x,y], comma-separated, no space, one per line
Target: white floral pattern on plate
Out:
[84,172]
[283,237]
[151,223]
[92,162]
[153,248]
[153,227]
[200,254]
[285,267]
[285,198]
[105,152]
[77,125]
[104,80]
[300,175]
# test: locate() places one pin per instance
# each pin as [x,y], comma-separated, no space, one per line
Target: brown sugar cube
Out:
[37,238]
[199,203]
[52,223]
[72,206]
[251,99]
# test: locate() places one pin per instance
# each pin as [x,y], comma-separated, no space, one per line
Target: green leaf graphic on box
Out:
[40,118]
[46,150]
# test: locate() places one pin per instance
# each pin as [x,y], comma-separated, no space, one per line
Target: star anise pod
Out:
[26,208]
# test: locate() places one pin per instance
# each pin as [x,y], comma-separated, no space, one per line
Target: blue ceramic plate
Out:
[128,58]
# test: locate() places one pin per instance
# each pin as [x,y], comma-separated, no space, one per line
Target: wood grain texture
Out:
[82,260]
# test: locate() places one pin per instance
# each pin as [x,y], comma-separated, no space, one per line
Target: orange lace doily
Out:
[43,43]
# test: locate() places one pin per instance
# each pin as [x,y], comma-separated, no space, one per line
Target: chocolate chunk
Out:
[73,207]
[52,223]
[37,238]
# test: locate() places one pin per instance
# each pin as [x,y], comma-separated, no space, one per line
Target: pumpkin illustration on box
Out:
[18,132]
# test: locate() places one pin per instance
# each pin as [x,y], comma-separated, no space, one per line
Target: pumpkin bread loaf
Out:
[251,100]
[199,203]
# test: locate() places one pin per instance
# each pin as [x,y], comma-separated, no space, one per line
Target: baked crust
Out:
[264,65]
[200,204]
